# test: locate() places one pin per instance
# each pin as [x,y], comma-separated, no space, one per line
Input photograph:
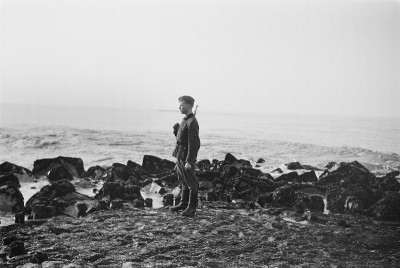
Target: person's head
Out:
[186,104]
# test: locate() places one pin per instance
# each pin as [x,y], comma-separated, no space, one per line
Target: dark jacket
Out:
[187,140]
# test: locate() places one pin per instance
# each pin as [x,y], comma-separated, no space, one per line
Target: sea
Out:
[103,136]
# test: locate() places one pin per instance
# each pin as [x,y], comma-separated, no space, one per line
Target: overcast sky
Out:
[319,57]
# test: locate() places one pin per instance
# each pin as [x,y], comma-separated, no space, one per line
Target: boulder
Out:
[138,169]
[59,173]
[11,199]
[120,172]
[154,165]
[148,202]
[230,158]
[264,199]
[308,177]
[170,180]
[294,166]
[387,208]
[346,175]
[288,177]
[260,161]
[389,182]
[7,168]
[203,165]
[117,204]
[94,172]
[119,189]
[312,202]
[168,200]
[355,198]
[284,195]
[74,166]
[139,203]
[39,257]
[53,200]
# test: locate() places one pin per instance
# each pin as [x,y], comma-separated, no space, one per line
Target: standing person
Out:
[187,147]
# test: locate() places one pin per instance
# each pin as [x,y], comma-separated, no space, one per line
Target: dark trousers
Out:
[187,177]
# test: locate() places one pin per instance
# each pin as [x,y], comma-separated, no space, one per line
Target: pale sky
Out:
[318,57]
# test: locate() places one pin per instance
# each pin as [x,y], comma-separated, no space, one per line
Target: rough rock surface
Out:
[7,167]
[11,199]
[74,165]
[220,235]
[59,173]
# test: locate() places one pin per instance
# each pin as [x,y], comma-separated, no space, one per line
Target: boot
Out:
[191,209]
[183,203]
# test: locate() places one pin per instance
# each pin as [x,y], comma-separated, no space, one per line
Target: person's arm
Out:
[193,142]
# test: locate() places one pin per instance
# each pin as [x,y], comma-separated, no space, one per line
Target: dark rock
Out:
[170,180]
[308,167]
[103,204]
[314,218]
[74,166]
[288,177]
[387,208]
[59,173]
[204,165]
[16,248]
[7,168]
[278,170]
[308,177]
[11,198]
[249,171]
[94,172]
[9,179]
[260,161]
[347,174]
[153,165]
[230,158]
[119,189]
[355,198]
[204,185]
[162,191]
[39,257]
[389,182]
[20,218]
[147,182]
[264,199]
[117,204]
[317,203]
[120,172]
[139,203]
[168,200]
[284,195]
[294,166]
[52,199]
[82,208]
[148,202]
[332,166]
[229,172]
[133,165]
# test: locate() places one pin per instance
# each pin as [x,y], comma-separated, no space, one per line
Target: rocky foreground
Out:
[219,236]
[246,218]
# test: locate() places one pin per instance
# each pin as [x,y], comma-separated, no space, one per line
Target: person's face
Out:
[184,107]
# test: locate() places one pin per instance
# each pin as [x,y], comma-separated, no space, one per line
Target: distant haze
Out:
[312,57]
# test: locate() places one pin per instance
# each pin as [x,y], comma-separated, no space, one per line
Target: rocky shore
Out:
[246,218]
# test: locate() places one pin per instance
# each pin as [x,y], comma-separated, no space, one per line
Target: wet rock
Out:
[242,183]
[53,200]
[139,203]
[278,170]
[94,172]
[74,166]
[59,173]
[11,199]
[251,172]
[168,200]
[148,202]
[154,165]
[82,208]
[389,182]
[317,203]
[229,172]
[7,168]
[294,166]
[103,204]
[16,248]
[346,175]
[260,161]
[387,208]
[39,257]
[308,177]
[203,165]
[284,195]
[230,158]
[119,189]
[355,198]
[20,218]
[120,172]
[170,180]
[162,191]
[288,177]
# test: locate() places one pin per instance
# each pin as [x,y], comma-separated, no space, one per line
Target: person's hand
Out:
[188,166]
[176,127]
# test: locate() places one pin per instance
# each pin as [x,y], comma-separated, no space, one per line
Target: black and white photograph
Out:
[199,133]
